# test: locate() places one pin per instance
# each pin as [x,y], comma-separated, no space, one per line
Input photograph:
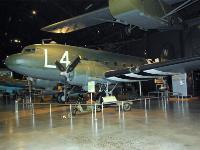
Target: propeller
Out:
[74,63]
[60,66]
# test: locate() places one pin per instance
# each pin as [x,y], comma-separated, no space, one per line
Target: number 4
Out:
[65,59]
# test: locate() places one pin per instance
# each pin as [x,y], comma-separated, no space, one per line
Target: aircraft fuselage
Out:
[38,61]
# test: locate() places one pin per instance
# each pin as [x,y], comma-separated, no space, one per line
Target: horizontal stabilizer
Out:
[80,22]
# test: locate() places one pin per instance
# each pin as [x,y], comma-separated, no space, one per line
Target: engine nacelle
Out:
[145,14]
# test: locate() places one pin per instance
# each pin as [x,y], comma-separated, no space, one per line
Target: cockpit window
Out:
[28,50]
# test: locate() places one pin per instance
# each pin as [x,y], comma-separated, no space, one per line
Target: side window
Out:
[115,63]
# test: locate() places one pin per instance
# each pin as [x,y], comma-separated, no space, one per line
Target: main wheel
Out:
[127,107]
[69,115]
[59,97]
[98,108]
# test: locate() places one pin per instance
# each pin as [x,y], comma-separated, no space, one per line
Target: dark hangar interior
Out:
[102,74]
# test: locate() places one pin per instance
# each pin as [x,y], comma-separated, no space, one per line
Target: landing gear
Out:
[74,110]
[67,72]
[62,98]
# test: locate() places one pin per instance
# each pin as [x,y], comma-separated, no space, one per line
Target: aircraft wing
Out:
[156,70]
[86,20]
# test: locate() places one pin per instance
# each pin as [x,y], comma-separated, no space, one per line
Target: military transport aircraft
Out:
[76,65]
[146,14]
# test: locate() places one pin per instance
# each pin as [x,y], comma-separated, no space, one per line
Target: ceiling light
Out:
[34,12]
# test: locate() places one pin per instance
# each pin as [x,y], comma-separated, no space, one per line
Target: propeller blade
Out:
[60,66]
[73,64]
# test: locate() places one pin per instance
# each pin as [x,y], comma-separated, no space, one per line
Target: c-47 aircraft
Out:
[77,65]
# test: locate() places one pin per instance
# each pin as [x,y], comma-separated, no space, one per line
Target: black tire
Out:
[98,108]
[74,110]
[127,107]
[99,97]
[59,98]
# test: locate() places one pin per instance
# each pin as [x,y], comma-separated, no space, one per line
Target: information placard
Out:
[91,86]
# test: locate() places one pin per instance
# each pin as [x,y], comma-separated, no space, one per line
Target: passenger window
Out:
[115,63]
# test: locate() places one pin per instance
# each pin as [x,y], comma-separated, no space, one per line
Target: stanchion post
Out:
[119,109]
[50,108]
[16,105]
[122,106]
[91,98]
[33,111]
[102,108]
[70,109]
[95,111]
[149,102]
[6,99]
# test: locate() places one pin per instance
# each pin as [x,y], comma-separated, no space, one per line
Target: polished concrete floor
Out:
[162,125]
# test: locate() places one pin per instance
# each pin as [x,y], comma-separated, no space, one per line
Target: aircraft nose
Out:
[11,60]
[14,61]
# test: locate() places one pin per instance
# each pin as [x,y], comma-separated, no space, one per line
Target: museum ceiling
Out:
[21,21]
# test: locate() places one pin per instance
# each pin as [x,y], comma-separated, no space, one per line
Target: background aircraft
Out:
[10,85]
[145,14]
[76,66]
[13,88]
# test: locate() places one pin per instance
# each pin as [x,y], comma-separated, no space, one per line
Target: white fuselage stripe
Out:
[140,76]
[157,72]
[120,80]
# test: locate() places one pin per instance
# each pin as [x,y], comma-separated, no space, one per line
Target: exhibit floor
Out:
[162,125]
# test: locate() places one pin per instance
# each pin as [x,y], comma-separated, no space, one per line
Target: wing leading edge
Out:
[153,71]
[86,20]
